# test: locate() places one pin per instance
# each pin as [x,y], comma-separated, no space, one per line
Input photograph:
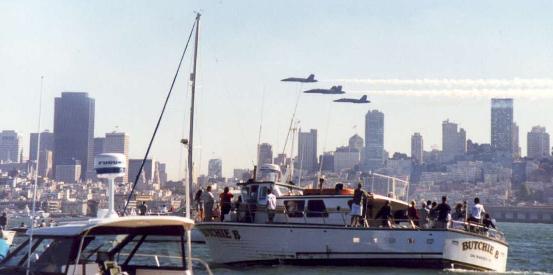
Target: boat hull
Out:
[242,243]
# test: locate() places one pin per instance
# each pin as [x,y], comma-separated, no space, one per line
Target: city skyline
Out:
[417,86]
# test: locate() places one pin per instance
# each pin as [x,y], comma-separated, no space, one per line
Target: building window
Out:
[295,208]
[316,208]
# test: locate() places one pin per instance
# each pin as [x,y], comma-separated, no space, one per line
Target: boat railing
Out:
[477,229]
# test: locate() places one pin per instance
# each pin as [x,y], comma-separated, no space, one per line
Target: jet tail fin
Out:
[311,77]
[339,88]
[363,98]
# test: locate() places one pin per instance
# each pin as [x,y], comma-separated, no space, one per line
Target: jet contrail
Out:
[515,87]
[462,93]
[522,83]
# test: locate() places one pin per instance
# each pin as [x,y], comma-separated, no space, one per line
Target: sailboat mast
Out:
[191,134]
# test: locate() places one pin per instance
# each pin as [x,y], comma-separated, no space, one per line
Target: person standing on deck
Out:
[476,211]
[424,211]
[225,199]
[209,201]
[413,215]
[356,206]
[385,213]
[143,209]
[444,213]
[271,205]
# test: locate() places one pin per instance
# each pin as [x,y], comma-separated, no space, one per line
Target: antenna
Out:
[110,166]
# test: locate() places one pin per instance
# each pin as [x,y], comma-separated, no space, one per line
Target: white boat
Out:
[311,227]
[132,244]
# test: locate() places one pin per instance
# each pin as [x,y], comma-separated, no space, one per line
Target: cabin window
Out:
[263,194]
[253,192]
[99,244]
[316,208]
[148,252]
[295,208]
[21,252]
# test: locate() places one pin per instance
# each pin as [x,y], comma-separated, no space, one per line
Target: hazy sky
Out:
[420,62]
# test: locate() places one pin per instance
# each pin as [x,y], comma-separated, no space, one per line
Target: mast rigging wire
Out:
[159,119]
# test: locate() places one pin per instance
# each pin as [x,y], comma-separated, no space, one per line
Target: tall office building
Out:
[46,143]
[74,131]
[538,143]
[374,140]
[516,143]
[307,151]
[356,142]
[453,141]
[502,125]
[264,154]
[215,168]
[10,146]
[417,148]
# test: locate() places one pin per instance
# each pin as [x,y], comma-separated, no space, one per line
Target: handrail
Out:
[451,225]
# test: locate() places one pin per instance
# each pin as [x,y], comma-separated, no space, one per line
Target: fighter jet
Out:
[363,99]
[309,79]
[334,90]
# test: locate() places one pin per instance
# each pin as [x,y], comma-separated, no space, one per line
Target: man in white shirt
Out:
[271,205]
[209,201]
[476,211]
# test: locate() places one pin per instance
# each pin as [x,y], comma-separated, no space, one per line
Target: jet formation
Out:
[362,100]
[334,90]
[309,79]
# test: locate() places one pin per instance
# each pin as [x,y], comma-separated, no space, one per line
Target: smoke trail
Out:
[516,87]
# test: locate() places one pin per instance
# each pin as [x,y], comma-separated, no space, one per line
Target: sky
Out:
[419,62]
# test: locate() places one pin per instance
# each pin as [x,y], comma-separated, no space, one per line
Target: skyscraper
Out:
[307,151]
[215,168]
[538,143]
[453,141]
[10,146]
[374,140]
[417,148]
[502,126]
[265,154]
[74,131]
[117,142]
[46,143]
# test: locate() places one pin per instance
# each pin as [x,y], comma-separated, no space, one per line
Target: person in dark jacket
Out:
[413,214]
[385,213]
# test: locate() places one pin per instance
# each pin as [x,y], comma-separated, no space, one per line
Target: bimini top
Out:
[128,222]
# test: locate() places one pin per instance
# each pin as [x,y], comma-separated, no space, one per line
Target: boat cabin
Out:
[136,245]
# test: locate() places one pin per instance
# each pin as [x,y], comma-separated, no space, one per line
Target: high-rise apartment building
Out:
[307,151]
[538,143]
[10,146]
[417,148]
[374,140]
[502,125]
[265,154]
[74,131]
[215,169]
[453,141]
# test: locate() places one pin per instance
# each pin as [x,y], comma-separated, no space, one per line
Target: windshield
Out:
[48,255]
